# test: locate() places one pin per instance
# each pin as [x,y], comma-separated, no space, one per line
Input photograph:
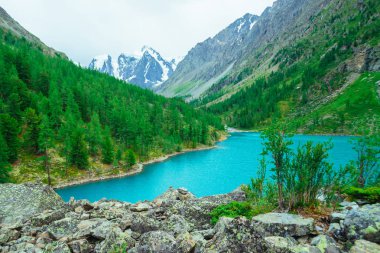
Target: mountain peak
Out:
[148,69]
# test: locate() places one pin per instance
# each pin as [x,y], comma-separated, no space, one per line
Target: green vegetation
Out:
[300,178]
[358,104]
[303,80]
[238,209]
[371,194]
[67,122]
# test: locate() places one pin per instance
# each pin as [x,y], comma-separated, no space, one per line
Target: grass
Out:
[30,169]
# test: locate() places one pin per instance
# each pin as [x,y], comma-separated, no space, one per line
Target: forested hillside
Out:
[300,82]
[57,118]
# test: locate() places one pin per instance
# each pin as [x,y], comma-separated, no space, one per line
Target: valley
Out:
[264,137]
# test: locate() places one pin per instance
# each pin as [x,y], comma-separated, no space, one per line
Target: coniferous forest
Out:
[51,107]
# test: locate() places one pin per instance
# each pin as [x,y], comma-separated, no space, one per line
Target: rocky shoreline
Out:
[175,221]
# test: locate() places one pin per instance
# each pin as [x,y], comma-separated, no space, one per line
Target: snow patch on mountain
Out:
[147,68]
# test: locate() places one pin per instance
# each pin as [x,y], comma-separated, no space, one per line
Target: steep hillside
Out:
[301,70]
[8,23]
[61,120]
[147,71]
[209,60]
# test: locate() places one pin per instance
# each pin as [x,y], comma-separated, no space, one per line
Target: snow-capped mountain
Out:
[148,70]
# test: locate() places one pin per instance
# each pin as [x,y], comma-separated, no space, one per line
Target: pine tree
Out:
[131,158]
[5,168]
[9,129]
[78,153]
[32,121]
[107,149]
[45,142]
[94,138]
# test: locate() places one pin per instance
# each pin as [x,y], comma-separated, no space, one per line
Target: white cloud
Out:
[85,28]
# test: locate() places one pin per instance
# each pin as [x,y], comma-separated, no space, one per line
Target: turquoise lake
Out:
[220,170]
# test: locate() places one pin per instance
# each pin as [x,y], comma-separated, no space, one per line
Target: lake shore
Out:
[138,168]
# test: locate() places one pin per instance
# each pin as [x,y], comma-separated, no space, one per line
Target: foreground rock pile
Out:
[33,218]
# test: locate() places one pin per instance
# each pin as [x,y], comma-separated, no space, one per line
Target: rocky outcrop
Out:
[176,221]
[20,202]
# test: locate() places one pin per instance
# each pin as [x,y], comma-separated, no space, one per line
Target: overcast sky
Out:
[86,28]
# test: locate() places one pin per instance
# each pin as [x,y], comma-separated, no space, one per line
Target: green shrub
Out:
[371,194]
[238,209]
[232,210]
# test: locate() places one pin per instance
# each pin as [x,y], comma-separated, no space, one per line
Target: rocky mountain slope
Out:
[306,55]
[176,221]
[210,60]
[7,23]
[147,71]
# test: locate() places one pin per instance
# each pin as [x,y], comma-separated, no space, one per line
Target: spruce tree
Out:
[32,121]
[9,129]
[107,149]
[5,168]
[78,152]
[45,142]
[131,158]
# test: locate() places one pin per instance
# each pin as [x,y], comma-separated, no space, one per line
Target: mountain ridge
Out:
[147,70]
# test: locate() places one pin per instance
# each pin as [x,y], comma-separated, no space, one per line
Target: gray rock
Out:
[363,223]
[303,248]
[97,228]
[185,243]
[325,243]
[283,224]
[177,225]
[336,217]
[16,207]
[57,247]
[140,207]
[156,242]
[47,217]
[80,246]
[363,246]
[63,228]
[235,235]
[115,241]
[7,235]
[173,195]
[279,244]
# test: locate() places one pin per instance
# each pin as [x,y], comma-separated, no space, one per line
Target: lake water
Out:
[207,172]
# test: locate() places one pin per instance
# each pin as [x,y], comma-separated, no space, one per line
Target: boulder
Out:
[283,224]
[80,246]
[47,217]
[156,242]
[325,244]
[363,223]
[235,235]
[96,228]
[140,207]
[278,244]
[7,235]
[172,194]
[363,246]
[63,228]
[57,247]
[185,243]
[19,202]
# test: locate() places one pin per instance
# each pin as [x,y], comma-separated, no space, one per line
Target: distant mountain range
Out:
[147,71]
